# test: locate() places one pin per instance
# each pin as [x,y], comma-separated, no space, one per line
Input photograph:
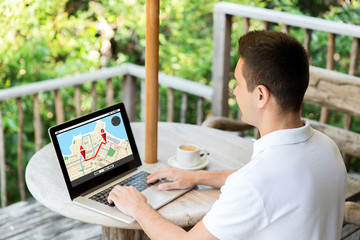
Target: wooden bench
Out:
[351,230]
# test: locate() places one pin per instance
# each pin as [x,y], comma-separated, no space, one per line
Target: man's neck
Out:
[275,122]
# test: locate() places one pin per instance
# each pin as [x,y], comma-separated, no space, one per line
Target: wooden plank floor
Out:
[31,220]
[350,232]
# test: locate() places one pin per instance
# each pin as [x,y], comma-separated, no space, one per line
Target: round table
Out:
[227,151]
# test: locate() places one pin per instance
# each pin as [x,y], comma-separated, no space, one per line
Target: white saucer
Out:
[172,162]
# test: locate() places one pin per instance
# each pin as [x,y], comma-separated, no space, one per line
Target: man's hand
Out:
[181,179]
[127,199]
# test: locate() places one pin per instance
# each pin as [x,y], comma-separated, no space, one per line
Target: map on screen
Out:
[93,146]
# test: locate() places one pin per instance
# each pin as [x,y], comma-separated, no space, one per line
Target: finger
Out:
[111,197]
[109,200]
[168,186]
[158,173]
[156,176]
[161,173]
[118,188]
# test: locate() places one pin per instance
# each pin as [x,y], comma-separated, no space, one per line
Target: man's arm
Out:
[186,179]
[133,203]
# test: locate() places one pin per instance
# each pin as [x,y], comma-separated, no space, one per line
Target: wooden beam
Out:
[291,19]
[63,82]
[334,90]
[151,79]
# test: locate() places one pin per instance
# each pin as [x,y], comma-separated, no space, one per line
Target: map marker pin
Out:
[103,134]
[82,151]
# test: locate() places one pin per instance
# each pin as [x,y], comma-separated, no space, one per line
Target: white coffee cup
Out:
[190,155]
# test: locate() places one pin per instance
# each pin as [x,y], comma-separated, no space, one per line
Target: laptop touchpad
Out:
[157,198]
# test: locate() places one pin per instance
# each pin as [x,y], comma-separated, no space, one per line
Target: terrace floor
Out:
[31,220]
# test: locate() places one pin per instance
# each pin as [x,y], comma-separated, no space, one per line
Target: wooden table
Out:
[227,151]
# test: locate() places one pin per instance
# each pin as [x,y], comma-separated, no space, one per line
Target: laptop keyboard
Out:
[138,181]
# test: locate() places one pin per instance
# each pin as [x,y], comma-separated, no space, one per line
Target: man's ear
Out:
[262,96]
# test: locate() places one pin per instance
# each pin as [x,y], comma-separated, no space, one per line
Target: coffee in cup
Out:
[188,148]
[190,155]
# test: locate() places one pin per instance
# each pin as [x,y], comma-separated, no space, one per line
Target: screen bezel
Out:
[108,175]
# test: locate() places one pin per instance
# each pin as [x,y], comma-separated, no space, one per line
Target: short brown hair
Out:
[277,61]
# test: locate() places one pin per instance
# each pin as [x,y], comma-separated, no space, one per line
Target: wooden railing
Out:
[129,72]
[223,17]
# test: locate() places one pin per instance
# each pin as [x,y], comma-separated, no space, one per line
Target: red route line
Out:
[96,152]
[116,154]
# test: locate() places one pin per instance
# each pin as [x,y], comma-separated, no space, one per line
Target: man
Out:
[294,185]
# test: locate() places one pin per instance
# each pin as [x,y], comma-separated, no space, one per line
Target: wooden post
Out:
[307,41]
[199,111]
[221,64]
[93,96]
[77,101]
[266,25]
[129,96]
[353,70]
[159,107]
[142,99]
[246,25]
[109,92]
[59,107]
[151,79]
[20,150]
[354,57]
[184,101]
[2,165]
[170,105]
[325,113]
[286,28]
[330,52]
[37,123]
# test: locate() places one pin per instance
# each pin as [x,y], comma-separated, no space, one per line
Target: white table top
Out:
[227,151]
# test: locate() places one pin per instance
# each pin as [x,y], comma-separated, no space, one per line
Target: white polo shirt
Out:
[293,188]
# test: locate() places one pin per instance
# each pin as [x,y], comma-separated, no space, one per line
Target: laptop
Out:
[98,151]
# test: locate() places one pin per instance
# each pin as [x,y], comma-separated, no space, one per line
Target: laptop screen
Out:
[94,146]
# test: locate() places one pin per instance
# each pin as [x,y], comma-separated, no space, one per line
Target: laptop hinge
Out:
[107,182]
